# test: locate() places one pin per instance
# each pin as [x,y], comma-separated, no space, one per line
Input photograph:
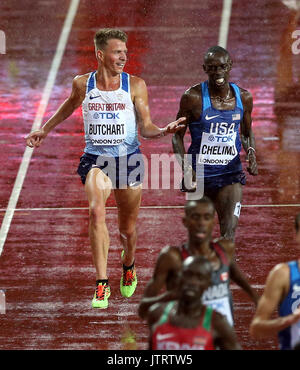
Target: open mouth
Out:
[201,234]
[189,293]
[220,81]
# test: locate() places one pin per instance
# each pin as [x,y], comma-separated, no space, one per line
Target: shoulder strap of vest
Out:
[165,314]
[207,319]
[125,81]
[221,253]
[184,252]
[237,92]
[294,271]
[205,96]
[91,82]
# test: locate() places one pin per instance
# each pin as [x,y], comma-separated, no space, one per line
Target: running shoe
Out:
[101,296]
[128,281]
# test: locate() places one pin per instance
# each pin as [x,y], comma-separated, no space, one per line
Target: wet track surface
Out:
[46,267]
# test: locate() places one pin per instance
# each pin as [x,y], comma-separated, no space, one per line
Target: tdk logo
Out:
[104,115]
[223,139]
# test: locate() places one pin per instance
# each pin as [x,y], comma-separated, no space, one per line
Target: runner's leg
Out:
[228,205]
[98,187]
[128,203]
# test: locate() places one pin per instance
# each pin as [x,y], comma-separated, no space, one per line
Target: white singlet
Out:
[109,119]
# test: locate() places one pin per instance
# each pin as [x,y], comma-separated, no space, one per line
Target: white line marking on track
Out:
[254,286]
[142,207]
[225,21]
[14,197]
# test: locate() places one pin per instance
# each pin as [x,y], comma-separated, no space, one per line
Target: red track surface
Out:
[46,267]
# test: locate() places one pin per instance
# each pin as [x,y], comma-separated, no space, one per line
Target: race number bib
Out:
[107,133]
[217,149]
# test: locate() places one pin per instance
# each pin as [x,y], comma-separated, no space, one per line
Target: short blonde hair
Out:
[104,34]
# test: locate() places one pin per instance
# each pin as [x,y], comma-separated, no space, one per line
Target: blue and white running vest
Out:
[215,136]
[109,119]
[291,335]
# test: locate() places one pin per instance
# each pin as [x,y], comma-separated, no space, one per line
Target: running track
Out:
[47,275]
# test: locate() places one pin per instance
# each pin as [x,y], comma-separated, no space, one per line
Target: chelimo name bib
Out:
[217,149]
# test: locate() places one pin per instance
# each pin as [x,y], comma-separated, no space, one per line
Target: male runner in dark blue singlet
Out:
[216,112]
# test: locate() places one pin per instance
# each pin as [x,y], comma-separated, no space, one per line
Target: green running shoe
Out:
[128,281]
[101,296]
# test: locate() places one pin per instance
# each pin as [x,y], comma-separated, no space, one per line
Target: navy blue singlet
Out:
[215,137]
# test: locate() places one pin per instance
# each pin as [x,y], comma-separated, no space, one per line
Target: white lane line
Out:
[225,22]
[236,287]
[142,207]
[13,200]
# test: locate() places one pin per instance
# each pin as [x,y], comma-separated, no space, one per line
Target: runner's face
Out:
[217,67]
[194,281]
[114,55]
[200,222]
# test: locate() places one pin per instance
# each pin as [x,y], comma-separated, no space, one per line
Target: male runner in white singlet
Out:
[114,106]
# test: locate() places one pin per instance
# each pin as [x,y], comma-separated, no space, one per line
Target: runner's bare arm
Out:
[178,137]
[168,261]
[140,100]
[35,138]
[223,333]
[276,288]
[240,279]
[155,313]
[189,103]
[147,302]
[247,135]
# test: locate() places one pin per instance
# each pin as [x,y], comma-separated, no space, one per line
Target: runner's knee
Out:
[98,181]
[127,232]
[97,213]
